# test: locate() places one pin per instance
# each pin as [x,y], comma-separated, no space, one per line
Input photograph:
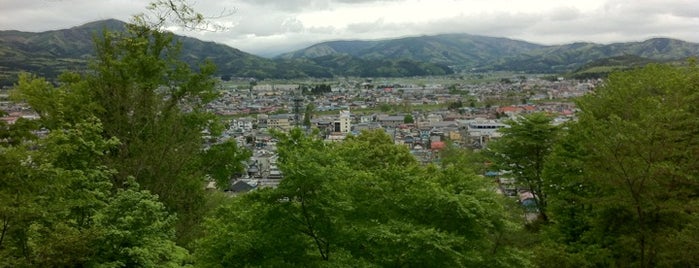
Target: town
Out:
[423,117]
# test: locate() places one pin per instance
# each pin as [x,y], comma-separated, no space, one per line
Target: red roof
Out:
[437,145]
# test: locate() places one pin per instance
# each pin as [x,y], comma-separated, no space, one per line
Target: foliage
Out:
[523,150]
[626,173]
[154,104]
[58,206]
[408,119]
[603,67]
[317,89]
[363,202]
[468,159]
[220,161]
[308,114]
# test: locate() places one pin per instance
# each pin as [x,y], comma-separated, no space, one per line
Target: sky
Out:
[270,27]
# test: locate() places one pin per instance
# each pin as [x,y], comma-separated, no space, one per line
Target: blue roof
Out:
[492,173]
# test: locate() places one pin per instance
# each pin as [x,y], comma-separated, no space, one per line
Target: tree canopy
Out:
[523,150]
[113,171]
[58,206]
[363,202]
[625,176]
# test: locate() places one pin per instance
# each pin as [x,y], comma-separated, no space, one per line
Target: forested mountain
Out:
[52,52]
[463,51]
[49,53]
[449,49]
[556,59]
[603,67]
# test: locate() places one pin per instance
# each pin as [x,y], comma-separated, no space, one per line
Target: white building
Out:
[345,121]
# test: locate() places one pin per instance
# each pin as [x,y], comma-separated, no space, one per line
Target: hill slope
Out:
[464,51]
[603,67]
[564,58]
[52,52]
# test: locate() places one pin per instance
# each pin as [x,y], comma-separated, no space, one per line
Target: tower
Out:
[345,121]
[298,109]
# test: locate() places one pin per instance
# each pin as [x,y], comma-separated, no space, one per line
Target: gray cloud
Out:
[273,26]
[564,14]
[42,15]
[308,5]
[289,5]
[364,1]
[268,25]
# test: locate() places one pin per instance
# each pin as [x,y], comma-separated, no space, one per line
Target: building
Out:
[242,124]
[281,122]
[345,122]
[391,121]
[480,131]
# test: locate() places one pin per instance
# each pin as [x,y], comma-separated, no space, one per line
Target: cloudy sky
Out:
[268,27]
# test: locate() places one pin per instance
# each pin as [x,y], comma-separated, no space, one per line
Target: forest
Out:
[113,174]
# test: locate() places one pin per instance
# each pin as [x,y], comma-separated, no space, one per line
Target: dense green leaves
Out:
[151,101]
[523,150]
[116,162]
[363,201]
[626,173]
[58,207]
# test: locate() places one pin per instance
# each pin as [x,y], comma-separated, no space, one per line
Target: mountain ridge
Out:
[49,53]
[484,53]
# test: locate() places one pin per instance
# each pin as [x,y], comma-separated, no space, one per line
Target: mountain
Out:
[603,67]
[52,52]
[459,50]
[482,53]
[48,53]
[563,58]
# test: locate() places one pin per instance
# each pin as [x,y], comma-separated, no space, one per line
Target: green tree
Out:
[523,150]
[308,114]
[58,206]
[221,160]
[136,231]
[625,176]
[363,202]
[154,104]
[471,160]
[408,119]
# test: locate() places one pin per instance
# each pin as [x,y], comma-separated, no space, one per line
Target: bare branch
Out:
[164,13]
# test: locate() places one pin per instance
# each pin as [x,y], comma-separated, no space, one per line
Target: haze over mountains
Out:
[49,53]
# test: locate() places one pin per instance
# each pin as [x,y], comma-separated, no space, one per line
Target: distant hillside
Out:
[564,58]
[48,53]
[457,50]
[481,53]
[603,67]
[52,52]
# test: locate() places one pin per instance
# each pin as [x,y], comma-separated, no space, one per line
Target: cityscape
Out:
[443,140]
[349,107]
